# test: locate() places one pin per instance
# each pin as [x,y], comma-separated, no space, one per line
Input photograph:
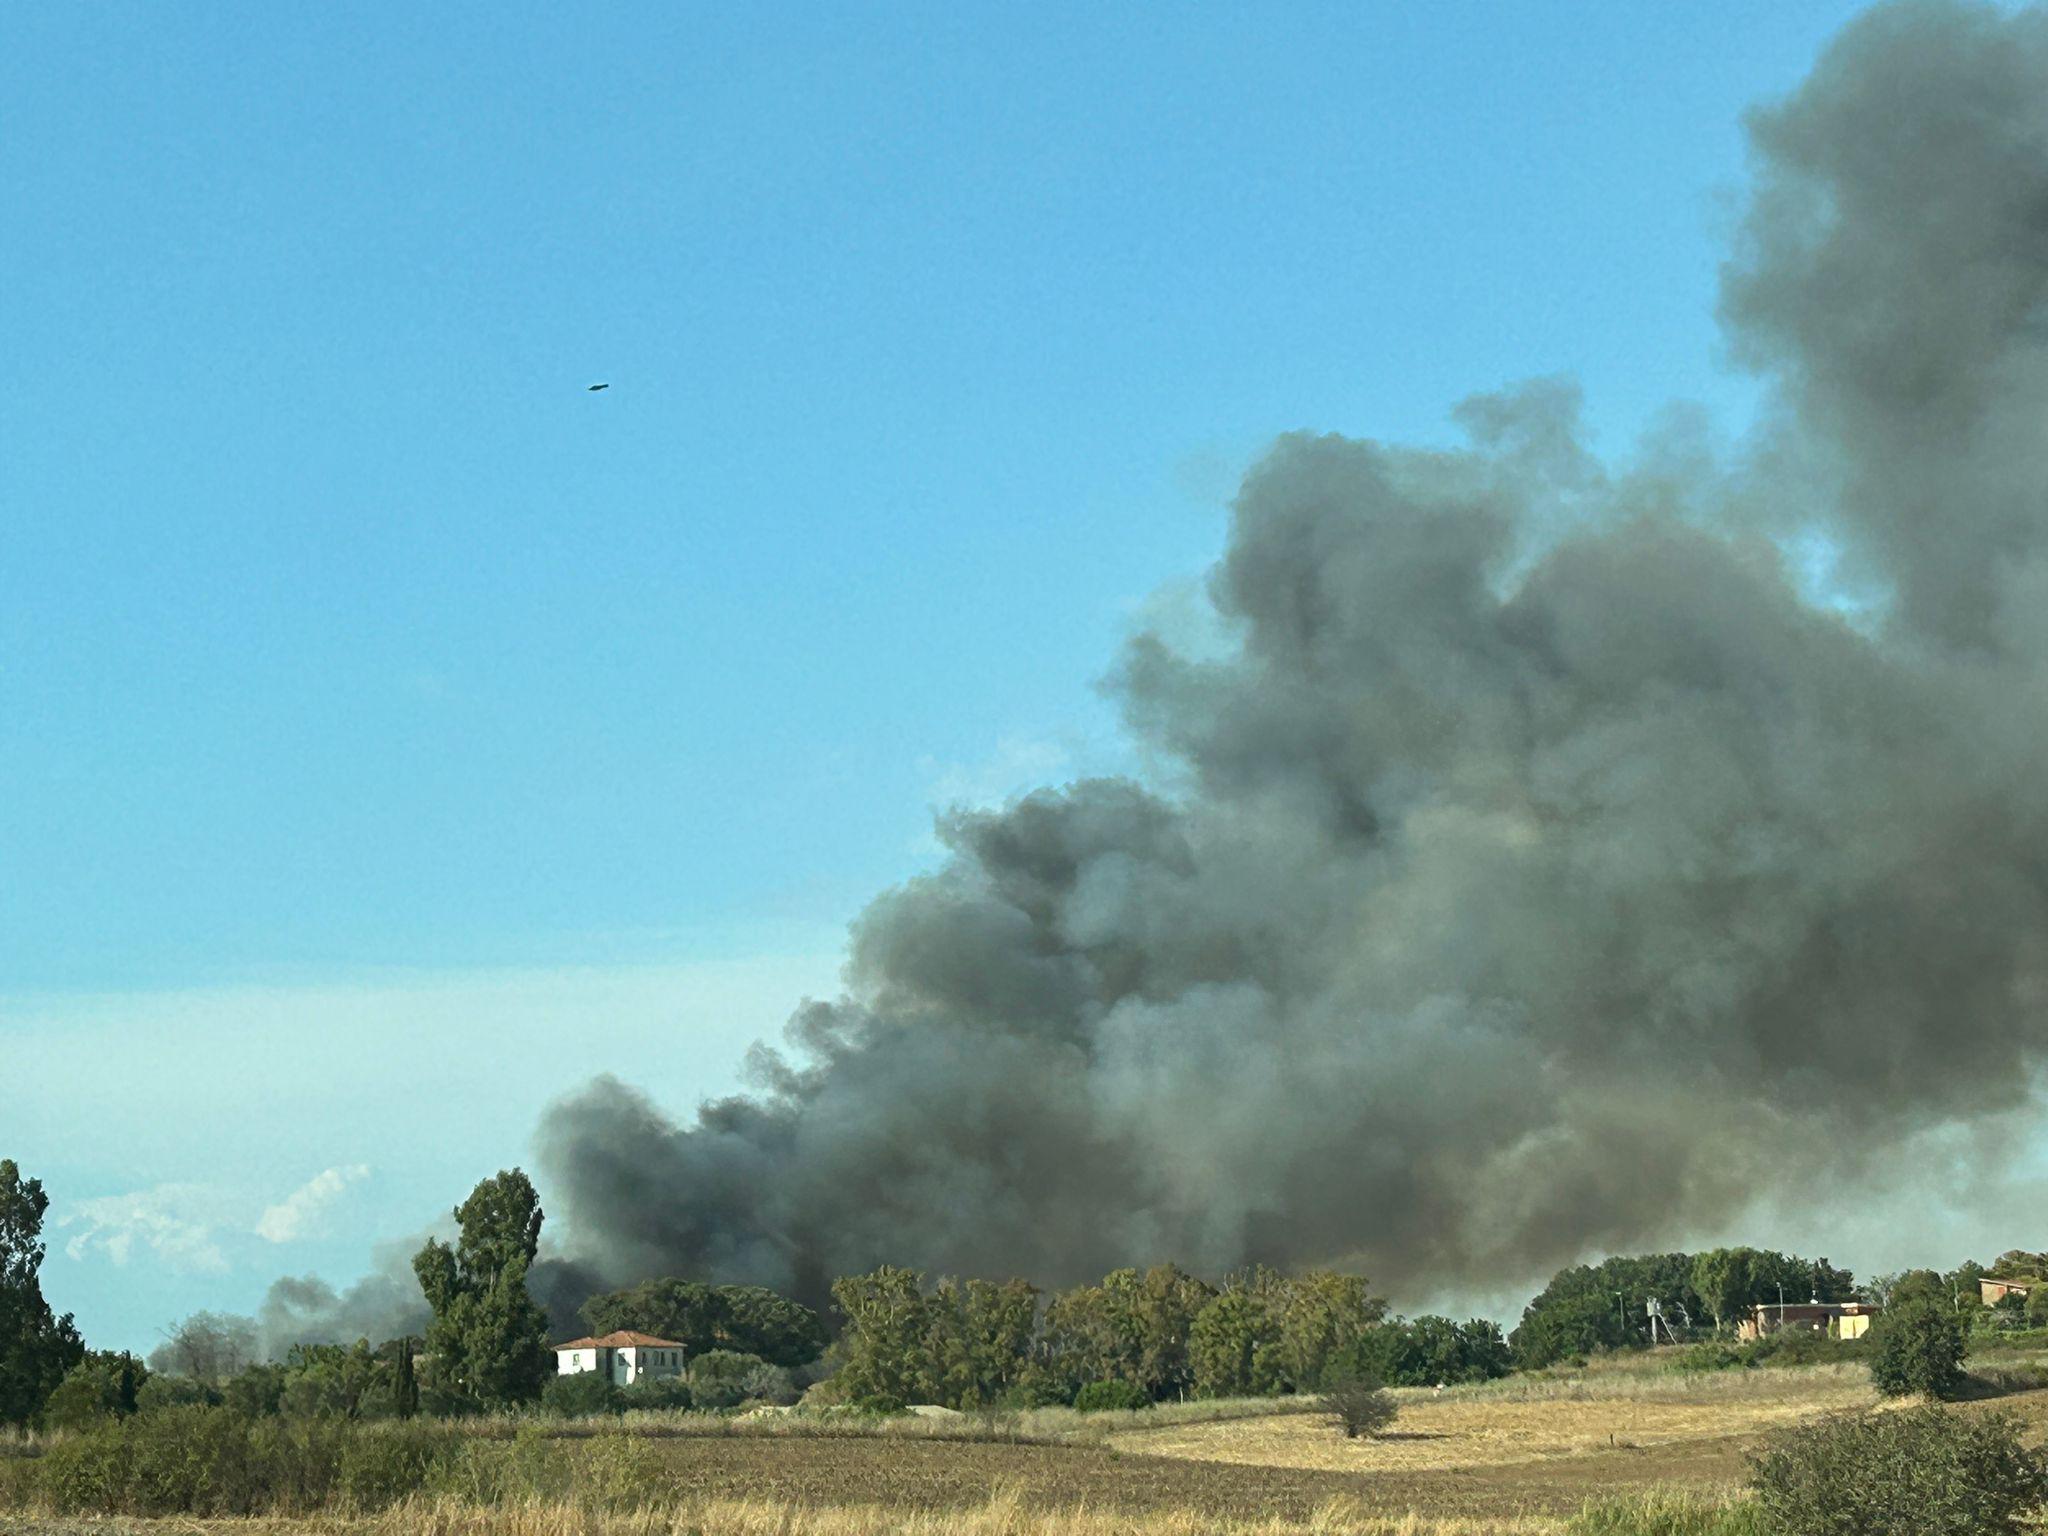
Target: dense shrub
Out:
[659,1392]
[580,1395]
[1360,1406]
[101,1386]
[1917,1348]
[1712,1355]
[1803,1346]
[256,1392]
[174,1392]
[721,1378]
[382,1464]
[214,1462]
[1925,1471]
[1111,1396]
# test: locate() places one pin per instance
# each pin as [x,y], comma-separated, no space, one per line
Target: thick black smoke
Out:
[1544,856]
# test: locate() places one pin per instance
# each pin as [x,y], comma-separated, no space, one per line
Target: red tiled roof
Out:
[625,1338]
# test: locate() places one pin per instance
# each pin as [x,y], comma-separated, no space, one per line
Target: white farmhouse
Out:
[623,1357]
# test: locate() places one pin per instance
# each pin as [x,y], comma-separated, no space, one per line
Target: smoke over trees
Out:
[1546,849]
[1538,853]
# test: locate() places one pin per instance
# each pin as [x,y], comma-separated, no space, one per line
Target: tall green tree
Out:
[1322,1314]
[1726,1280]
[1234,1343]
[37,1348]
[405,1384]
[1164,1304]
[887,1325]
[978,1336]
[488,1340]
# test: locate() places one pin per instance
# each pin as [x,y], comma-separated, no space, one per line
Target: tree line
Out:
[1133,1338]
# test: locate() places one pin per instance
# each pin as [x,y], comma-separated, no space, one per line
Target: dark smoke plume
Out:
[1546,848]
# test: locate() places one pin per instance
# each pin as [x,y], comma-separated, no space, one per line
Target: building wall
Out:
[623,1366]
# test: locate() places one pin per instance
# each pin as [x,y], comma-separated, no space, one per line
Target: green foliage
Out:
[102,1386]
[1600,1307]
[977,1340]
[333,1381]
[580,1395]
[744,1318]
[1425,1352]
[1916,1347]
[1322,1315]
[1131,1327]
[256,1392]
[405,1384]
[1668,1514]
[1712,1355]
[778,1330]
[668,1393]
[1360,1406]
[2019,1264]
[37,1347]
[1234,1342]
[1926,1471]
[1111,1396]
[488,1339]
[162,1392]
[720,1378]
[1803,1346]
[1725,1279]
[211,1462]
[883,1345]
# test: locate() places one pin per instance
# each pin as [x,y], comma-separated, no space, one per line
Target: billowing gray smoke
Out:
[1543,851]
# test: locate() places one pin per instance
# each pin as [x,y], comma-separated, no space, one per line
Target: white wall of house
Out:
[625,1364]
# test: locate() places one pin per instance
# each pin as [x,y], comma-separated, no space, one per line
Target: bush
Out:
[92,1392]
[383,1464]
[1360,1406]
[1111,1396]
[669,1393]
[719,1378]
[1709,1355]
[580,1395]
[1917,1348]
[174,1392]
[1803,1346]
[1925,1471]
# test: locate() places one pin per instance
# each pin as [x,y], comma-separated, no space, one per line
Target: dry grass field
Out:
[1515,1458]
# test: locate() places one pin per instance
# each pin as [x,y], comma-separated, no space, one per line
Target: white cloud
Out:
[294,1216]
[174,1224]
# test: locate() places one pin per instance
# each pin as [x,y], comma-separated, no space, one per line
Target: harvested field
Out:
[1513,1458]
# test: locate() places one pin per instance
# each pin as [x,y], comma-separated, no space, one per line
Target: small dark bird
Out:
[596,387]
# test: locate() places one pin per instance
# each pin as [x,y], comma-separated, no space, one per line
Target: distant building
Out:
[1993,1292]
[622,1358]
[1836,1319]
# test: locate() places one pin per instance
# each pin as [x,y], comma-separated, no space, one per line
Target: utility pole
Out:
[1781,1306]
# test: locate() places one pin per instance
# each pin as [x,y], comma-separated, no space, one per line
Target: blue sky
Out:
[393,733]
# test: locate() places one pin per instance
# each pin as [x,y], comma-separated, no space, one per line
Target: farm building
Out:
[623,1357]
[1836,1319]
[1992,1292]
